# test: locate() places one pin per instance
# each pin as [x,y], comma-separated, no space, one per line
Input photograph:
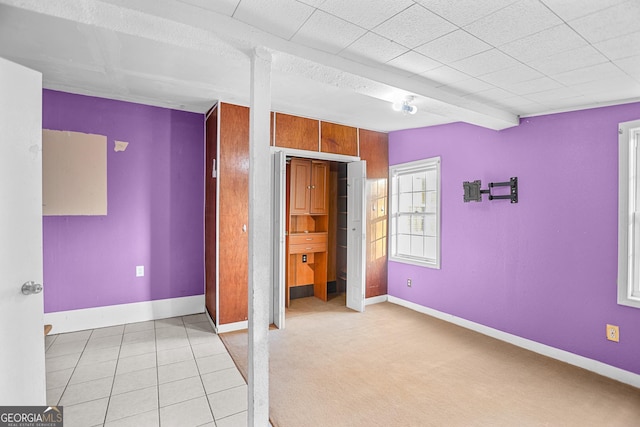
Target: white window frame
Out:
[408,168]
[629,214]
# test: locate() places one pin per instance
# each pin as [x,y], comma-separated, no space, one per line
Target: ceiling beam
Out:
[189,26]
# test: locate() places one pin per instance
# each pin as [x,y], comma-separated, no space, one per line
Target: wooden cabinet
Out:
[296,132]
[308,193]
[307,224]
[338,139]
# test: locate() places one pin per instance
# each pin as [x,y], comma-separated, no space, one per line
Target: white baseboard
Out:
[230,327]
[600,368]
[375,300]
[111,315]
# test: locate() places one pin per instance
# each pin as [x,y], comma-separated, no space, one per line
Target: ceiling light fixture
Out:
[405,106]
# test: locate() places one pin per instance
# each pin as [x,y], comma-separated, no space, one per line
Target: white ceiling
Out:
[483,62]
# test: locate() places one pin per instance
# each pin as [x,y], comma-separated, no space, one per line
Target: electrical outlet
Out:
[409,282]
[613,333]
[139,270]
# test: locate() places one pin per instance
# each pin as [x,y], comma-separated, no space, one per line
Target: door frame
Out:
[279,287]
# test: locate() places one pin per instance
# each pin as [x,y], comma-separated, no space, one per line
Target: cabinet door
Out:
[319,176]
[296,132]
[299,197]
[338,139]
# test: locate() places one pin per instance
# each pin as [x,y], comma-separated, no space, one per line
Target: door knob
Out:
[31,287]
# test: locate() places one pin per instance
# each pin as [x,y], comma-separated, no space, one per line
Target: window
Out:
[629,214]
[415,212]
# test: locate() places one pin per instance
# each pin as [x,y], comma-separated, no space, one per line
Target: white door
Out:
[279,199]
[356,234]
[22,370]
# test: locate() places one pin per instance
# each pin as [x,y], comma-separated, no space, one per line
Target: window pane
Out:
[417,246]
[431,180]
[418,202]
[404,183]
[431,201]
[417,225]
[430,225]
[404,224]
[404,244]
[406,202]
[430,247]
[419,181]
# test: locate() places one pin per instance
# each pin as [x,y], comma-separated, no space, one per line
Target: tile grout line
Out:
[206,396]
[113,381]
[74,368]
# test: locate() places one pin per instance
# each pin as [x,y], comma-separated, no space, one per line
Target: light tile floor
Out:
[169,372]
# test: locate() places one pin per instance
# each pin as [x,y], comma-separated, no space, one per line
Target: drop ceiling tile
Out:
[327,32]
[624,85]
[513,22]
[567,61]
[554,95]
[490,95]
[414,26]
[545,43]
[463,12]
[373,47]
[569,10]
[453,47]
[484,63]
[225,7]
[630,65]
[609,23]
[516,74]
[414,63]
[314,3]
[603,71]
[467,87]
[620,47]
[516,101]
[533,86]
[278,17]
[445,75]
[365,13]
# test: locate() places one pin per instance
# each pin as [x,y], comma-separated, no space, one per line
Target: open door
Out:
[22,366]
[356,234]
[279,200]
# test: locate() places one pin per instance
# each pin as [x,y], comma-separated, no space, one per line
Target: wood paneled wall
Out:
[374,148]
[233,188]
[234,213]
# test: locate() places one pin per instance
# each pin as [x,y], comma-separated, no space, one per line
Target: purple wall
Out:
[543,269]
[155,208]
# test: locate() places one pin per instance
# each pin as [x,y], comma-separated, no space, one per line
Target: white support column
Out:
[260,238]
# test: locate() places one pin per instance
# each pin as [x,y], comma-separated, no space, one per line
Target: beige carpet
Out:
[391,366]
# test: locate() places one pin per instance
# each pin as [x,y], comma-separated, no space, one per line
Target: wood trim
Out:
[210,238]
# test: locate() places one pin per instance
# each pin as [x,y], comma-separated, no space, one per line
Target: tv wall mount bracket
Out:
[473,193]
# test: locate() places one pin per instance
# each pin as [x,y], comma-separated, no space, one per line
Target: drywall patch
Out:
[120,146]
[74,173]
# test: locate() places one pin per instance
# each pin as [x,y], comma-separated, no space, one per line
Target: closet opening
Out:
[316,230]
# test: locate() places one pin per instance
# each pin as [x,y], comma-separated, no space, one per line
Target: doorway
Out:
[343,267]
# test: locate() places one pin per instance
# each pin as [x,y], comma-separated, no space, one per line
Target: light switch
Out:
[139,270]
